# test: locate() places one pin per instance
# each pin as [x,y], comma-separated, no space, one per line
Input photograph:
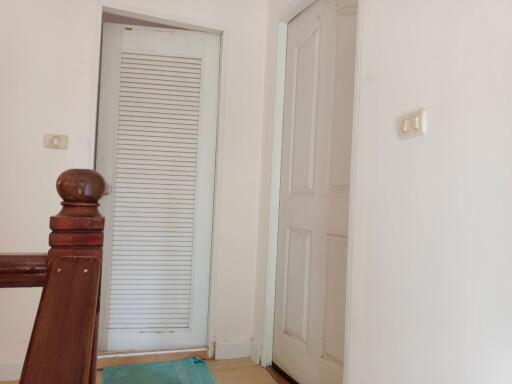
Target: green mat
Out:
[189,371]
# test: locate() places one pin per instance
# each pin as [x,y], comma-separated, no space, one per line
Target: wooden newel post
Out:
[78,227]
[63,346]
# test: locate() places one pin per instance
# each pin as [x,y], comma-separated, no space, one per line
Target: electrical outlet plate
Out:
[413,125]
[55,141]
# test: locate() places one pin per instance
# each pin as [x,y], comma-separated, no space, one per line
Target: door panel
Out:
[333,338]
[313,211]
[303,124]
[156,147]
[298,258]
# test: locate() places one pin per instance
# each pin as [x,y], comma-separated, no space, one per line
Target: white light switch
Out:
[55,141]
[413,125]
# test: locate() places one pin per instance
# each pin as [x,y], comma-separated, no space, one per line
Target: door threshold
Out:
[280,375]
[114,359]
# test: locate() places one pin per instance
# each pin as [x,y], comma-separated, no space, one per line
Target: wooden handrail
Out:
[63,345]
[23,269]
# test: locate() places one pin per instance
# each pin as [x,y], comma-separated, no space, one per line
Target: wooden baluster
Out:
[63,345]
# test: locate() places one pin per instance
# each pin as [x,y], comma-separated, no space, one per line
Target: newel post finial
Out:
[79,223]
[80,189]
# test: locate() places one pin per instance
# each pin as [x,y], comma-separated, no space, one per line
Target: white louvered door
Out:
[156,147]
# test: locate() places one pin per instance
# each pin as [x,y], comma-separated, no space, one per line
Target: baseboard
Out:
[115,359]
[10,369]
[232,349]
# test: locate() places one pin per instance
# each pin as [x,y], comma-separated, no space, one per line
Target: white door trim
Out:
[275,180]
[193,220]
[270,281]
[191,23]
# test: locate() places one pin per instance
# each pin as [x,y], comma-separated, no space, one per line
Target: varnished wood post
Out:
[63,345]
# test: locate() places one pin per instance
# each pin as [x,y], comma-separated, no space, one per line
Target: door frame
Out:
[275,180]
[130,12]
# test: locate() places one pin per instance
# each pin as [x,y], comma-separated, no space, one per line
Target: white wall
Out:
[48,72]
[432,257]
[48,79]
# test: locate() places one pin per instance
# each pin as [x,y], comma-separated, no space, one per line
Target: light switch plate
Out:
[55,141]
[413,125]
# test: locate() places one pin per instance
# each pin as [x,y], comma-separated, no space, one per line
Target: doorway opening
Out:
[311,193]
[156,138]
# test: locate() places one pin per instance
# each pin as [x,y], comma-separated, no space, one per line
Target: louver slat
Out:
[154,192]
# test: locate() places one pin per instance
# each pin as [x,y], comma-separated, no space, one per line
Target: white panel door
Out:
[313,213]
[156,148]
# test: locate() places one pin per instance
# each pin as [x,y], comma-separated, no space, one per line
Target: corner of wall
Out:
[10,369]
[255,352]
[232,349]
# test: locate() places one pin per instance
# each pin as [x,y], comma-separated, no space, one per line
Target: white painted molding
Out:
[347,9]
[10,369]
[295,9]
[232,349]
[255,352]
[108,355]
[353,191]
[275,186]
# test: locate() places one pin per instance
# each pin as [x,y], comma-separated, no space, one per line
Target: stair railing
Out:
[63,345]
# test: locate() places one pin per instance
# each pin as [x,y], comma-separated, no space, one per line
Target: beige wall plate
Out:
[413,125]
[55,141]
